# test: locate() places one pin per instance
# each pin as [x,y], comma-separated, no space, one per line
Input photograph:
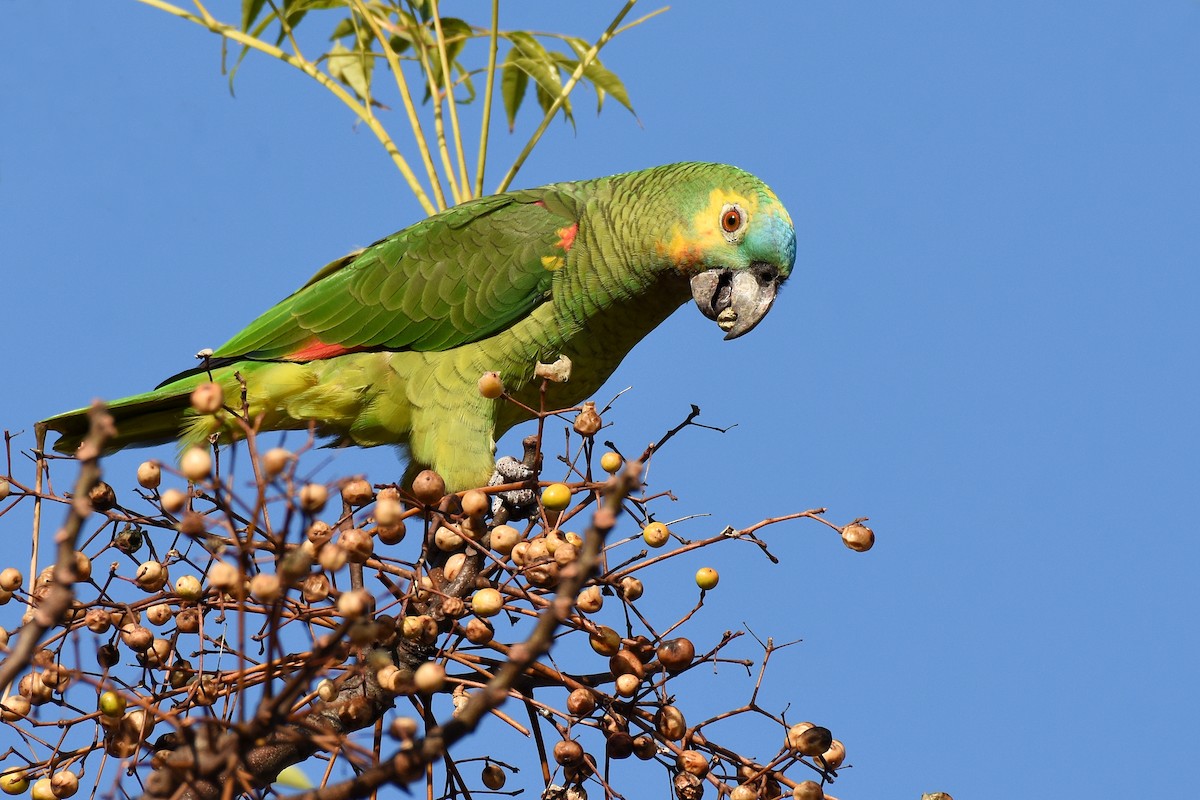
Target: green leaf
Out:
[352,68]
[250,11]
[343,29]
[513,82]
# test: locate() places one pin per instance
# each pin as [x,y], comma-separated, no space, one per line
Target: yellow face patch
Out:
[552,262]
[706,235]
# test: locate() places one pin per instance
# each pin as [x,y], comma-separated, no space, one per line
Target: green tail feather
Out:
[142,420]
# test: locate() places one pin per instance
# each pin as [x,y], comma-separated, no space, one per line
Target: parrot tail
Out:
[162,415]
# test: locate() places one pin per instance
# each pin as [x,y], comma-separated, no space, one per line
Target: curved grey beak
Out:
[737,299]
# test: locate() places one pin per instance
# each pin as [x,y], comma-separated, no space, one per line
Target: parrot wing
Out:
[456,278]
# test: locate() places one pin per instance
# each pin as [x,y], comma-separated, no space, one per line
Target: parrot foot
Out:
[515,503]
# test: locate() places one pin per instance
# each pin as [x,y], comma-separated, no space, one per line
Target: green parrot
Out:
[386,345]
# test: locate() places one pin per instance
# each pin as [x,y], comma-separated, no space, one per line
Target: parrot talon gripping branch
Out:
[385,346]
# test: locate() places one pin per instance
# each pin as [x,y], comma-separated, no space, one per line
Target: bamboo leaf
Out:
[352,68]
[513,83]
[250,11]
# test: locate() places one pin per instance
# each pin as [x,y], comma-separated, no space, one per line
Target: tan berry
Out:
[207,398]
[189,587]
[388,511]
[858,537]
[83,566]
[11,579]
[587,421]
[159,613]
[743,791]
[644,747]
[266,587]
[447,539]
[354,604]
[223,575]
[196,464]
[590,600]
[835,755]
[332,557]
[149,475]
[627,685]
[313,497]
[808,790]
[480,631]
[475,503]
[151,576]
[275,461]
[15,707]
[315,588]
[326,690]
[173,501]
[812,741]
[137,637]
[631,588]
[64,784]
[429,677]
[490,385]
[5,488]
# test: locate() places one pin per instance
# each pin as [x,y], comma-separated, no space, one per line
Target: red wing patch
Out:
[316,350]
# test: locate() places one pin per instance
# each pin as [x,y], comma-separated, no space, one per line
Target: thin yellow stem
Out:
[406,98]
[587,59]
[493,47]
[309,69]
[448,80]
[439,128]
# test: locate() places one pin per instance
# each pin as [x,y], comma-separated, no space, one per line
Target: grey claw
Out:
[517,501]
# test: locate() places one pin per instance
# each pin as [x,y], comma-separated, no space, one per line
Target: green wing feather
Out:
[452,279]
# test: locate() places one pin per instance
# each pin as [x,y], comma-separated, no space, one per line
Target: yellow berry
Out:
[490,385]
[556,496]
[610,462]
[655,534]
[15,782]
[706,578]
[487,602]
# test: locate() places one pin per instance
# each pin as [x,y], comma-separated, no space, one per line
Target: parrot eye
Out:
[733,222]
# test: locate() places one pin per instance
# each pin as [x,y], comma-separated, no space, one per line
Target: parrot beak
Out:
[737,299]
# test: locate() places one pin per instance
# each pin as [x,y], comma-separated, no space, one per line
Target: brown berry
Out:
[581,702]
[676,654]
[568,752]
[808,790]
[149,475]
[479,631]
[313,497]
[102,496]
[357,492]
[493,777]
[692,761]
[428,487]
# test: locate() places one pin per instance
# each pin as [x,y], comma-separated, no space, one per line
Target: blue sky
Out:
[989,345]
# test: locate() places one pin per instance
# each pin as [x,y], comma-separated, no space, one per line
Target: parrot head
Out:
[736,244]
